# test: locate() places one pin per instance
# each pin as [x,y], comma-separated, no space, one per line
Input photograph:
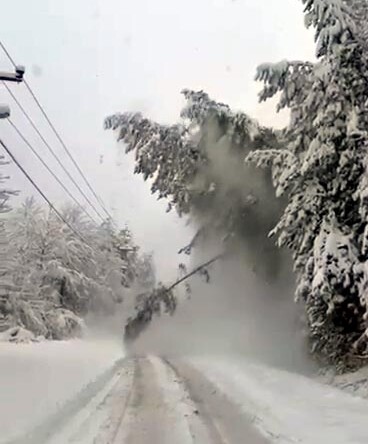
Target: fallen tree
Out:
[318,167]
[160,300]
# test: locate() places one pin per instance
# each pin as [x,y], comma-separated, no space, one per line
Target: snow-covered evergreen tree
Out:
[6,251]
[319,168]
[197,166]
[60,275]
[5,193]
[323,173]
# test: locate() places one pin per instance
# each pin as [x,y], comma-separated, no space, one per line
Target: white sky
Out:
[86,59]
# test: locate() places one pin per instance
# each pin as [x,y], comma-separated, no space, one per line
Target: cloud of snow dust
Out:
[248,306]
[236,313]
[109,326]
[243,193]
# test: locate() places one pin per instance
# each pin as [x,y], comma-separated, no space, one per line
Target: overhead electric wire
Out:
[75,163]
[42,194]
[34,126]
[7,54]
[30,146]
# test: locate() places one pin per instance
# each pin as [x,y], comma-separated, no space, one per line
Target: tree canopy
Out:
[198,166]
[317,167]
[323,172]
[54,277]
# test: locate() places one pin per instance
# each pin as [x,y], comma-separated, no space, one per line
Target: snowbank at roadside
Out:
[36,379]
[286,407]
[355,383]
[17,335]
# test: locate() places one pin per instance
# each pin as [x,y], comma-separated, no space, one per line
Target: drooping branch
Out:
[187,164]
[195,271]
[161,299]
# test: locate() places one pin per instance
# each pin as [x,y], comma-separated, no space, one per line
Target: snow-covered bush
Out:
[17,335]
[63,324]
[29,318]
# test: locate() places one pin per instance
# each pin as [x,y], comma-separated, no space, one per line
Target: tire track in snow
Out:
[99,421]
[110,428]
[224,419]
[172,402]
[149,400]
[157,412]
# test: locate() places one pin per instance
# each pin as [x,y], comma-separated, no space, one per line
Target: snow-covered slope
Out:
[37,379]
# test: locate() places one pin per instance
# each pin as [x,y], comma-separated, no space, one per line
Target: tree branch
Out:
[199,268]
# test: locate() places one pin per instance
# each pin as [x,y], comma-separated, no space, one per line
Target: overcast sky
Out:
[86,59]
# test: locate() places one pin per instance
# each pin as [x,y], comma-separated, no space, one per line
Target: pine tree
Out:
[323,173]
[197,166]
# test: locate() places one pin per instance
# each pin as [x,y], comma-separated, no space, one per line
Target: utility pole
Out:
[17,77]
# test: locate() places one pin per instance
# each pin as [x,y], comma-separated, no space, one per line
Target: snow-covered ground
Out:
[286,407]
[82,391]
[355,383]
[37,379]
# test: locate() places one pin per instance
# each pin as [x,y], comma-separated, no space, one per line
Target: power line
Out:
[75,163]
[17,130]
[34,126]
[57,212]
[7,54]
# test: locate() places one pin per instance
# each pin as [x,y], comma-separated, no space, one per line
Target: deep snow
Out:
[37,379]
[286,407]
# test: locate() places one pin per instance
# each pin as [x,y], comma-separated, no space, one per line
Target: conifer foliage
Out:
[197,165]
[53,277]
[322,171]
[318,167]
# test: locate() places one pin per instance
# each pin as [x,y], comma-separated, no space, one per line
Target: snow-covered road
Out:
[149,400]
[203,400]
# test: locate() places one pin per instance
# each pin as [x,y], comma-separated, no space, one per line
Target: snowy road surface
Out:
[149,401]
[206,401]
